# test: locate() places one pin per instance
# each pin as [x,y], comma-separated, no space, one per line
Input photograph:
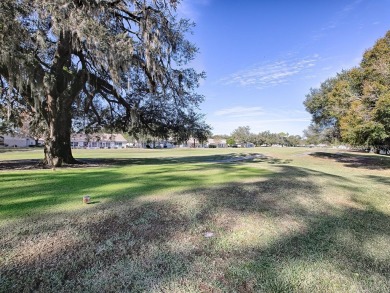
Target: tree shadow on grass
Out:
[333,254]
[379,179]
[274,234]
[29,164]
[45,190]
[219,158]
[355,160]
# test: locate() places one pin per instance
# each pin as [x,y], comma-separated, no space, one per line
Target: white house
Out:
[158,144]
[16,141]
[219,143]
[210,143]
[98,140]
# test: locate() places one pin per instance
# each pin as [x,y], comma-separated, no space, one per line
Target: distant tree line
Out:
[354,106]
[243,136]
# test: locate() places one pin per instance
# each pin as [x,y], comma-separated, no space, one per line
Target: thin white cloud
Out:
[270,74]
[338,18]
[191,9]
[351,6]
[240,112]
[286,120]
[330,26]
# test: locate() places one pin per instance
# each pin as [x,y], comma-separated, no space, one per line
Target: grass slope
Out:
[291,220]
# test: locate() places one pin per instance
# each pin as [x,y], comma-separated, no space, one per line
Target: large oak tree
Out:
[354,106]
[85,63]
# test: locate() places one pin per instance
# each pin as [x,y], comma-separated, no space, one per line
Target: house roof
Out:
[216,141]
[209,140]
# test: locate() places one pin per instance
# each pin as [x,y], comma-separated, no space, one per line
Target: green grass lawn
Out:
[282,220]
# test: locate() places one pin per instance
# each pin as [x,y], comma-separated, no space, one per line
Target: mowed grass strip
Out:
[292,220]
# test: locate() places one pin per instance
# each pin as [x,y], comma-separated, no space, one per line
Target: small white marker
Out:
[208,234]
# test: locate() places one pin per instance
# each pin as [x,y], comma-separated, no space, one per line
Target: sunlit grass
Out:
[63,189]
[293,220]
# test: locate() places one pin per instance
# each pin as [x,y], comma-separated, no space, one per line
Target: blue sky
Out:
[262,57]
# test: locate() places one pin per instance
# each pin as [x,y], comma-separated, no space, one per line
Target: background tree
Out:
[230,141]
[314,134]
[84,63]
[192,127]
[242,134]
[329,103]
[264,137]
[259,139]
[31,128]
[293,140]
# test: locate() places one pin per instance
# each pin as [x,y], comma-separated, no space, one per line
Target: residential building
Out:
[219,143]
[98,140]
[16,141]
[210,143]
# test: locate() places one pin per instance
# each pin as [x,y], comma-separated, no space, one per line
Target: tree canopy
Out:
[84,64]
[241,134]
[354,106]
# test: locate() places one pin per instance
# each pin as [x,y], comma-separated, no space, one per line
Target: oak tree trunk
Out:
[57,145]
[63,87]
